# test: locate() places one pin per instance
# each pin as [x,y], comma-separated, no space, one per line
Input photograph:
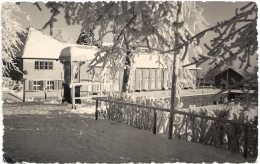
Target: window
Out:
[116,86]
[159,74]
[49,85]
[146,73]
[50,65]
[36,65]
[41,64]
[37,85]
[47,65]
[45,85]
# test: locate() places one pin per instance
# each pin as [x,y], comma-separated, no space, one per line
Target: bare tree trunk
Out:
[174,76]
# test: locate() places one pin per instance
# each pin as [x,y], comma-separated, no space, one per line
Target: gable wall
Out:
[56,73]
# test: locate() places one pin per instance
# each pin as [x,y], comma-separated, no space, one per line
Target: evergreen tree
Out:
[87,38]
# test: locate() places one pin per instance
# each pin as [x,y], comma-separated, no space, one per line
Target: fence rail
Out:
[246,125]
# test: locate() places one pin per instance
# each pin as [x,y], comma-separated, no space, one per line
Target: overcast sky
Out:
[213,12]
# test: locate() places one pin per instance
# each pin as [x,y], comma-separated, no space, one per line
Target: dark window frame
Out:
[36,65]
[50,65]
[43,65]
[46,64]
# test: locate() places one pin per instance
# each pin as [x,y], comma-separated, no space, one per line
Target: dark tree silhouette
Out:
[87,38]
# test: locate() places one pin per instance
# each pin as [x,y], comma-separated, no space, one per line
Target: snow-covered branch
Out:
[10,40]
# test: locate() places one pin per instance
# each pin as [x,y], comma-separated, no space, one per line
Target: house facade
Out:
[44,73]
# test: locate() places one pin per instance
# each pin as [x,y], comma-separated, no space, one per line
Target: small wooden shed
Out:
[230,76]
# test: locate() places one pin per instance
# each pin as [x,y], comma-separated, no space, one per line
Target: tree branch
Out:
[109,5]
[125,26]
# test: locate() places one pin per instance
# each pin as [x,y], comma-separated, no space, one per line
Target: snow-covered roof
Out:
[72,53]
[151,61]
[146,61]
[41,46]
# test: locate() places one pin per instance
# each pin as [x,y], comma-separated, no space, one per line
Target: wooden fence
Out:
[191,116]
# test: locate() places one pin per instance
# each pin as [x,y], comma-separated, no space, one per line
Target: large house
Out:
[41,59]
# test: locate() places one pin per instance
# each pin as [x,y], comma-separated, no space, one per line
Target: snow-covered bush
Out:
[10,84]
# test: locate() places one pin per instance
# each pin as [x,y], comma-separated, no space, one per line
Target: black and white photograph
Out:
[129,81]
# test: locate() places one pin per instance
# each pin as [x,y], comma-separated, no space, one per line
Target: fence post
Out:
[96,114]
[45,94]
[154,121]
[245,143]
[24,91]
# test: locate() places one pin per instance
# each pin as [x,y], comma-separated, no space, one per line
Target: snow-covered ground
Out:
[51,133]
[167,93]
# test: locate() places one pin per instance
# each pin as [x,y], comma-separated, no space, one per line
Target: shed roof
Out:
[228,69]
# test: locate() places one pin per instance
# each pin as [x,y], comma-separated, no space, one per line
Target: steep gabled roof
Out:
[37,45]
[228,69]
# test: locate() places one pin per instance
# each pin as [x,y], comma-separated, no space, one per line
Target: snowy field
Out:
[51,133]
[48,131]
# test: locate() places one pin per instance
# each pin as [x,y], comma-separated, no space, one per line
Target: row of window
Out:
[140,74]
[45,85]
[147,75]
[38,85]
[44,65]
[57,85]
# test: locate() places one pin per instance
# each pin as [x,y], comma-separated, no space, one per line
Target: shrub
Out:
[12,84]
